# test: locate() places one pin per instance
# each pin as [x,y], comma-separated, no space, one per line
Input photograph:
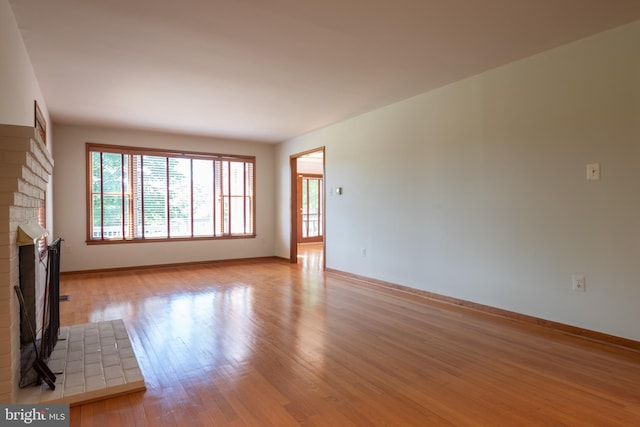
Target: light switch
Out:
[593,172]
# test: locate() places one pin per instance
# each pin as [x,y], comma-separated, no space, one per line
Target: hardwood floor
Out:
[267,343]
[311,256]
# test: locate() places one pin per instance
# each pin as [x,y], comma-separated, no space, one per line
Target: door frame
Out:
[293,213]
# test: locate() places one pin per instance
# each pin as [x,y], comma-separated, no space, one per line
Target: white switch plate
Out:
[593,172]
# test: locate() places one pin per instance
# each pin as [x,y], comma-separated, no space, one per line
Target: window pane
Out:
[112,210]
[96,232]
[311,206]
[127,197]
[237,178]
[112,173]
[136,199]
[314,207]
[154,197]
[203,198]
[180,197]
[237,186]
[249,198]
[237,209]
[128,219]
[305,196]
[320,206]
[222,189]
[304,210]
[95,172]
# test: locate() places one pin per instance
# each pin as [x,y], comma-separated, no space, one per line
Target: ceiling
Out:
[270,70]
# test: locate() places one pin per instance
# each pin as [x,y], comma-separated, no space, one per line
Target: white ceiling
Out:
[270,70]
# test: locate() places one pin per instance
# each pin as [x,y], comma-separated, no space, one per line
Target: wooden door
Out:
[310,224]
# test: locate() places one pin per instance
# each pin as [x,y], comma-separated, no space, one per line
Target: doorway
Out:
[307,207]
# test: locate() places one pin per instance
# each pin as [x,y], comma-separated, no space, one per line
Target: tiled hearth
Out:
[91,361]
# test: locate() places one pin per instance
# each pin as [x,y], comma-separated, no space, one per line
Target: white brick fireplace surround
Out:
[25,169]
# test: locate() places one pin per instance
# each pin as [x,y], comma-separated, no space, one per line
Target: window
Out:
[139,194]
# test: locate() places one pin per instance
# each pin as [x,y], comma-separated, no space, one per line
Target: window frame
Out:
[91,147]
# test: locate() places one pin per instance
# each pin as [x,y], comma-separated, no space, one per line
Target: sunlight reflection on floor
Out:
[311,256]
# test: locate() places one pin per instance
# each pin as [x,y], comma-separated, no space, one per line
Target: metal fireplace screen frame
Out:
[51,312]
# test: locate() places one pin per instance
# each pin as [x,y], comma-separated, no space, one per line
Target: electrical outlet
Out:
[363,252]
[593,172]
[578,283]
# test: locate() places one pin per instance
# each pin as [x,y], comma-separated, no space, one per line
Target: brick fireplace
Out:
[25,169]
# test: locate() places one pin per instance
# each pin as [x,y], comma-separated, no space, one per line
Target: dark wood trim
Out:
[298,208]
[293,210]
[88,197]
[233,261]
[324,209]
[512,315]
[165,239]
[125,149]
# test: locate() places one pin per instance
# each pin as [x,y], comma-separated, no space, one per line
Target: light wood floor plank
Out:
[272,344]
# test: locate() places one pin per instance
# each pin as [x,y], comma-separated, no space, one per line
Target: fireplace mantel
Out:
[29,234]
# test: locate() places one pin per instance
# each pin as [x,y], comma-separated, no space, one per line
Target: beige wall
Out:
[478,190]
[19,87]
[70,203]
[18,84]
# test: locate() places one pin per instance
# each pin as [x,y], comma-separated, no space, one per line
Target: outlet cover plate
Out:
[578,283]
[593,172]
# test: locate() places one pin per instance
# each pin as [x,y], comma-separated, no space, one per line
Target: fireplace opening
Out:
[40,286]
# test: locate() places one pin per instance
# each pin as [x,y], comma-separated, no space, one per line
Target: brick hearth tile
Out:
[111,372]
[110,360]
[92,369]
[95,383]
[113,382]
[73,379]
[93,358]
